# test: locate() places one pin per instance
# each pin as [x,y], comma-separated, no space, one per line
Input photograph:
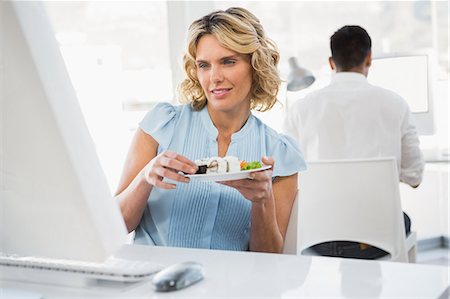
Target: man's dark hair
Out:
[350,45]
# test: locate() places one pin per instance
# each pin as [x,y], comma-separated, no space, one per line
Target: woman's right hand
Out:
[167,165]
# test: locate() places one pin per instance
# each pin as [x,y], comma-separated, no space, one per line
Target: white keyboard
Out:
[112,269]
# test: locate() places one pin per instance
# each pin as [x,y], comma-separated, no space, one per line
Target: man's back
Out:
[353,119]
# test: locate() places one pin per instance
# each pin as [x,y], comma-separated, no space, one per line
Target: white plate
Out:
[229,176]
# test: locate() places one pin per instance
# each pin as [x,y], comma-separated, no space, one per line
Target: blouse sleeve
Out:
[160,123]
[288,157]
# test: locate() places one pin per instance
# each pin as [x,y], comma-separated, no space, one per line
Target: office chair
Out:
[350,200]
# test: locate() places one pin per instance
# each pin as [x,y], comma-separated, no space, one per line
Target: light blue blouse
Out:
[207,214]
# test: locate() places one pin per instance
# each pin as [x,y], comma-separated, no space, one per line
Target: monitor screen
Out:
[54,198]
[409,76]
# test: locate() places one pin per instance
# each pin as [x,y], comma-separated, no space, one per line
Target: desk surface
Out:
[436,155]
[259,275]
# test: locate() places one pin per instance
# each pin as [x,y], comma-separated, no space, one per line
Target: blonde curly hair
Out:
[238,30]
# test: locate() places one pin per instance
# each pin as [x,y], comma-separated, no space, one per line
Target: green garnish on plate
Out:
[250,165]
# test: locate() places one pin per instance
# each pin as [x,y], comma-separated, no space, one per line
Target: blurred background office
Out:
[124,57]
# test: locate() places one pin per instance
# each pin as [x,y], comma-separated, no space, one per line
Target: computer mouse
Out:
[178,276]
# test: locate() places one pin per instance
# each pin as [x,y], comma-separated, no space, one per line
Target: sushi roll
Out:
[218,165]
[207,165]
[233,164]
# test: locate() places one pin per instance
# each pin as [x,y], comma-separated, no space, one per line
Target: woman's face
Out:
[225,76]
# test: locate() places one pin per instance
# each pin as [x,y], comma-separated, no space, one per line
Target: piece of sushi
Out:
[233,165]
[206,165]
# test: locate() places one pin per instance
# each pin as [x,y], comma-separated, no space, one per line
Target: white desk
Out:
[258,275]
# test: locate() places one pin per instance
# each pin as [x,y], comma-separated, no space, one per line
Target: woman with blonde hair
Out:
[231,68]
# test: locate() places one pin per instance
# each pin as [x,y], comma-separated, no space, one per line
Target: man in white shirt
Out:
[351,119]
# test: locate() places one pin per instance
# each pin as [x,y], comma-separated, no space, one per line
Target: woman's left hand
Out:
[257,188]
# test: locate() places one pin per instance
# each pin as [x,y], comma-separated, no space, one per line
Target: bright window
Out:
[117,56]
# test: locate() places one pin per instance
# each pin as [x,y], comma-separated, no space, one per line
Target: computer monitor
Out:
[410,76]
[55,201]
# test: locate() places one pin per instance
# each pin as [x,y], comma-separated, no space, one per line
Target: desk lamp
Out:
[299,78]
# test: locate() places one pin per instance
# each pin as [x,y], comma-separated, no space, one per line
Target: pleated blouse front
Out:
[207,214]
